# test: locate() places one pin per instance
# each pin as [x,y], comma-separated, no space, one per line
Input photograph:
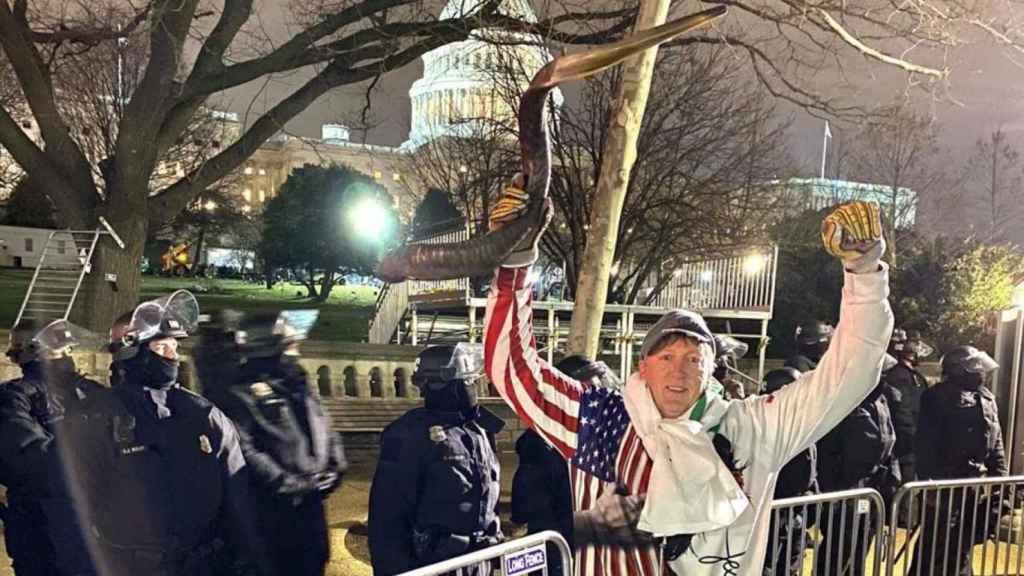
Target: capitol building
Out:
[457,93]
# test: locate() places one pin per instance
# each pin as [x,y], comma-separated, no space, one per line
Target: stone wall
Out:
[348,375]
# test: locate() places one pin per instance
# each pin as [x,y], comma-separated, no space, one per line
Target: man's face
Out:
[165,348]
[674,374]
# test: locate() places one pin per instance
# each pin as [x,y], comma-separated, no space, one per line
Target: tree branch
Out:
[165,204]
[38,91]
[34,161]
[90,36]
[877,54]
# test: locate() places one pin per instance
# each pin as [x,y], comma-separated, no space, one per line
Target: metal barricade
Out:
[519,557]
[832,534]
[951,527]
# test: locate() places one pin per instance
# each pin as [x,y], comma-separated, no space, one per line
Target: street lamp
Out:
[754,263]
[370,219]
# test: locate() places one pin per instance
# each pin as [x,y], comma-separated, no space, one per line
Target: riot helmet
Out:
[269,335]
[34,345]
[447,377]
[144,343]
[967,366]
[813,338]
[909,348]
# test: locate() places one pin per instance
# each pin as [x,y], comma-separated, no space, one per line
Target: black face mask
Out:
[452,396]
[159,372]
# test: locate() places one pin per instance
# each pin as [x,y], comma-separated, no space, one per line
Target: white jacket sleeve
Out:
[787,422]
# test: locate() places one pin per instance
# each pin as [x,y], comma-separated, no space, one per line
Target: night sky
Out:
[983,92]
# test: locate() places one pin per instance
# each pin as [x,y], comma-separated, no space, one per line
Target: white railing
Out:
[389,313]
[394,300]
[741,282]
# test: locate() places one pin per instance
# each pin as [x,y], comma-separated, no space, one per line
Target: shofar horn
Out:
[479,256]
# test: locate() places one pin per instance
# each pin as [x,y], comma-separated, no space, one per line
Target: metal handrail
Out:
[81,275]
[912,491]
[35,275]
[497,551]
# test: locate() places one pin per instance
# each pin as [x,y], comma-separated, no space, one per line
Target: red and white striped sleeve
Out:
[544,398]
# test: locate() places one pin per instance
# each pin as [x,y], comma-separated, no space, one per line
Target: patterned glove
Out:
[513,204]
[853,233]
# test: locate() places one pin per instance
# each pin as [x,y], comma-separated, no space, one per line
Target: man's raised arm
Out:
[544,398]
[795,417]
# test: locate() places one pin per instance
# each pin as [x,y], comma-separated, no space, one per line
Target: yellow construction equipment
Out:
[176,260]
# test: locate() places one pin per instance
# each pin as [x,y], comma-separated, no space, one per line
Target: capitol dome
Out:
[459,85]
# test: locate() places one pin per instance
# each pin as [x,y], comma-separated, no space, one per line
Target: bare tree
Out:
[342,43]
[196,50]
[899,149]
[994,174]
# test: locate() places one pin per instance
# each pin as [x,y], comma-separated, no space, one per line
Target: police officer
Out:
[436,488]
[170,459]
[812,340]
[728,351]
[295,460]
[905,387]
[37,411]
[858,453]
[958,436]
[797,478]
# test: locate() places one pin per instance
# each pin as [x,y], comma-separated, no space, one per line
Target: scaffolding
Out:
[735,294]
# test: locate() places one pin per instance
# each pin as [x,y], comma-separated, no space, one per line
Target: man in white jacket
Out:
[663,435]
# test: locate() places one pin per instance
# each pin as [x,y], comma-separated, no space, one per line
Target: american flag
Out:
[589,426]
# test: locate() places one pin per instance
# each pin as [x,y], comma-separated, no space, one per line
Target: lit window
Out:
[263,195]
[396,177]
[247,194]
[248,170]
[377,174]
[263,172]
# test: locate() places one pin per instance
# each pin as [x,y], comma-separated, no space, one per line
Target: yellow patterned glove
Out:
[511,205]
[853,233]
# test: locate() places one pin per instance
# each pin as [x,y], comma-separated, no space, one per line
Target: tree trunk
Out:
[618,158]
[310,282]
[326,283]
[101,301]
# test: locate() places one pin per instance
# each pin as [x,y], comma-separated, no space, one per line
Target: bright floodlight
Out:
[753,263]
[369,218]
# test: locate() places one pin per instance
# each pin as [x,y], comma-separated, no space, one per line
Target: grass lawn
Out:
[342,318]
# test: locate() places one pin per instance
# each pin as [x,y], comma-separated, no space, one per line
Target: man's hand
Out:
[612,520]
[514,204]
[511,205]
[853,233]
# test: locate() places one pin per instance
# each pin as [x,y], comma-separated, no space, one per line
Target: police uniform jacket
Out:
[40,519]
[179,482]
[435,491]
[858,453]
[906,386]
[958,433]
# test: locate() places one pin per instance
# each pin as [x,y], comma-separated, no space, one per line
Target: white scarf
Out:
[691,490]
